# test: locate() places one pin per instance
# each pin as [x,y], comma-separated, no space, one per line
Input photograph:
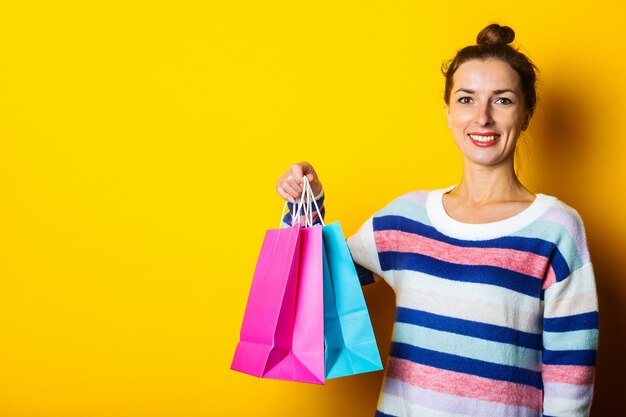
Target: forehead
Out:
[490,74]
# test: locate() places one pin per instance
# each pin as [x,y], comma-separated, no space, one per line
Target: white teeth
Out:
[483,139]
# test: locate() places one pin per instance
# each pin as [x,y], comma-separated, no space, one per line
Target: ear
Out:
[448,116]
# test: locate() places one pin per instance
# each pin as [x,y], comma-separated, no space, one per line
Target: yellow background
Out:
[140,143]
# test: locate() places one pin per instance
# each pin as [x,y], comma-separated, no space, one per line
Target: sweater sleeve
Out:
[570,329]
[365,255]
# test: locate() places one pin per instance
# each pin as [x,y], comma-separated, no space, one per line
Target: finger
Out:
[294,182]
[283,194]
[288,188]
[307,169]
[297,172]
[316,187]
[296,185]
[285,188]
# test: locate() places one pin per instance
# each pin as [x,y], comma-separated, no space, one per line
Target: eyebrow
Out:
[468,91]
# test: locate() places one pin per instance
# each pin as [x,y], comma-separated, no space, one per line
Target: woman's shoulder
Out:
[559,212]
[416,198]
[411,204]
[562,224]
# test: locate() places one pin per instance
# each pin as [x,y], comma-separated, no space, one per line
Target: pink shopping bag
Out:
[282,334]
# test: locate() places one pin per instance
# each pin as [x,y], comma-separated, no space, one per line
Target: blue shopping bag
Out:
[350,344]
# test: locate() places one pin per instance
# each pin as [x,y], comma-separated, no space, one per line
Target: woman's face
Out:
[486,111]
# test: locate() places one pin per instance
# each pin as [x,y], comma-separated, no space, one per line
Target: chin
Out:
[489,162]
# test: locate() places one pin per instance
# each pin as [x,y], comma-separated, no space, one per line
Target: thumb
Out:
[316,187]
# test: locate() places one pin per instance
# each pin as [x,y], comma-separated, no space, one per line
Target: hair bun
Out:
[494,34]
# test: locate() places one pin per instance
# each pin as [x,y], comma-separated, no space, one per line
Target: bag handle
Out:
[304,204]
[297,207]
[311,198]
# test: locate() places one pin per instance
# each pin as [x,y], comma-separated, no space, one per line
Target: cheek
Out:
[460,120]
[459,114]
[515,120]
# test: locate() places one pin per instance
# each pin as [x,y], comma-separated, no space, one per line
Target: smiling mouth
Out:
[483,138]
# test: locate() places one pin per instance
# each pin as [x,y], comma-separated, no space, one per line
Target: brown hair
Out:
[493,43]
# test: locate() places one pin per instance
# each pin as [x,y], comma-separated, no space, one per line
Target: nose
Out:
[484,117]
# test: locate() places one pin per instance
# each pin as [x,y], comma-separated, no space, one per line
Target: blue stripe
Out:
[582,321]
[465,365]
[559,265]
[527,244]
[287,218]
[381,414]
[483,274]
[365,275]
[569,357]
[476,329]
[319,202]
[555,231]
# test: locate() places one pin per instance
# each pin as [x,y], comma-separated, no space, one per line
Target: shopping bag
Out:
[306,318]
[349,341]
[282,334]
[350,344]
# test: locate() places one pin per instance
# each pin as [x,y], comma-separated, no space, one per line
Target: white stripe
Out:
[397,406]
[563,407]
[419,402]
[562,390]
[470,301]
[574,295]
[363,250]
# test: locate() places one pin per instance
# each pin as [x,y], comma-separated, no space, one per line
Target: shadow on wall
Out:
[364,389]
[563,165]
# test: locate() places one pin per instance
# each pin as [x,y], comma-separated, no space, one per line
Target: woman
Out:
[496,302]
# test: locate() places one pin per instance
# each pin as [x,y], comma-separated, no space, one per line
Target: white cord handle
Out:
[304,205]
[311,198]
[296,209]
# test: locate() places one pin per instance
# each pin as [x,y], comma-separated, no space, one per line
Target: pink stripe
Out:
[550,278]
[464,385]
[524,262]
[568,374]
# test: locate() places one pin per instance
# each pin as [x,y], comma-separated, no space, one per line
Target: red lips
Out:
[484,139]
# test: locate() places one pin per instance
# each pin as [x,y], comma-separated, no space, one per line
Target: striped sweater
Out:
[496,319]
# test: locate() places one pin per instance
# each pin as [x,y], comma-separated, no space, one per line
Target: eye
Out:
[504,100]
[464,100]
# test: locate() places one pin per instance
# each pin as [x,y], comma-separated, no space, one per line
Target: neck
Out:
[482,184]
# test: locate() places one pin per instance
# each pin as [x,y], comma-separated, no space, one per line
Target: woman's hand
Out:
[289,186]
